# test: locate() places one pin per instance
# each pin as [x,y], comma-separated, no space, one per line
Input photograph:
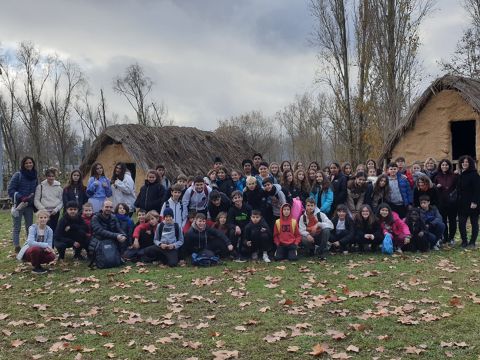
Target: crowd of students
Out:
[260,211]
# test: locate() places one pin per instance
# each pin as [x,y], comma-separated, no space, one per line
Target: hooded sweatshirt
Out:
[286,231]
[123,191]
[49,197]
[308,223]
[277,199]
[168,235]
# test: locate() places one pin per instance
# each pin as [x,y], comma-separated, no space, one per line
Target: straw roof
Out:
[468,89]
[181,149]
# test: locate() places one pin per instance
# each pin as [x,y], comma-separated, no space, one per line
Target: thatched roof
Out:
[468,89]
[181,149]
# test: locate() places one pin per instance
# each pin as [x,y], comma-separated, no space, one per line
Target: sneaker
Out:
[39,270]
[266,258]
[464,244]
[254,256]
[399,251]
[452,242]
[436,247]
[322,258]
[239,260]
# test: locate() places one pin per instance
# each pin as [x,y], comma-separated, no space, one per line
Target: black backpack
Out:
[162,225]
[105,254]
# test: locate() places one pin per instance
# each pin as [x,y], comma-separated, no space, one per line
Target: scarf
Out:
[29,174]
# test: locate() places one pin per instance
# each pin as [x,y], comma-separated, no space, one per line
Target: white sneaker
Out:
[265,257]
[399,251]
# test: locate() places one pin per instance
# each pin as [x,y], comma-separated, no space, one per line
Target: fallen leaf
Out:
[353,348]
[318,350]
[192,345]
[225,354]
[16,343]
[240,328]
[293,349]
[41,339]
[342,355]
[109,345]
[336,335]
[413,350]
[150,349]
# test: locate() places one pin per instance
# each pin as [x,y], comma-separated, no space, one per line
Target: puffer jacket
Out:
[106,227]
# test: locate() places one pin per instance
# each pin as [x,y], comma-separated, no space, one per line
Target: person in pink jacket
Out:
[391,223]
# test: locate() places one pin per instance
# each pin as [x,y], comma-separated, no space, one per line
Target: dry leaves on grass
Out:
[225,354]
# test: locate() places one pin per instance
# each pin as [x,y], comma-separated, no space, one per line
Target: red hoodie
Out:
[88,221]
[285,231]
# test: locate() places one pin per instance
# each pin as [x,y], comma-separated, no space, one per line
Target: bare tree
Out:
[66,78]
[93,118]
[158,115]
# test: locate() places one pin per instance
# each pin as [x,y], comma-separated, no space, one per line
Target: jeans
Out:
[27,214]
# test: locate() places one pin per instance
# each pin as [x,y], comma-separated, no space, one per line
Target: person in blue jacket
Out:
[98,187]
[21,189]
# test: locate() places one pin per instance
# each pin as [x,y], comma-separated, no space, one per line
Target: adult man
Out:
[105,226]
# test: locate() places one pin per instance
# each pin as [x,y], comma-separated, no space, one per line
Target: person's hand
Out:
[121,238]
[171,246]
[76,244]
[310,238]
[473,205]
[104,184]
[67,228]
[439,185]
[96,183]
[136,244]
[407,240]
[163,246]
[238,231]
[230,247]
[421,233]
[248,243]
[149,232]
[336,243]
[48,250]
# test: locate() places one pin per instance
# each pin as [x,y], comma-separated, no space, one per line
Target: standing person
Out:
[347,170]
[425,186]
[224,183]
[289,186]
[446,183]
[390,223]
[123,187]
[263,173]
[322,193]
[298,165]
[367,229]
[430,167]
[275,172]
[98,187]
[315,229]
[285,165]
[401,195]
[75,190]
[196,196]
[371,164]
[218,202]
[468,199]
[49,196]
[162,177]
[71,232]
[302,184]
[175,203]
[312,175]
[151,194]
[38,248]
[21,189]
[247,166]
[381,192]
[402,169]
[359,193]
[257,159]
[339,185]
[313,166]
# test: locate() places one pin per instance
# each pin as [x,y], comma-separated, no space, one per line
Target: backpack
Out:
[160,230]
[105,254]
[297,208]
[305,221]
[387,245]
[192,191]
[205,258]
[294,225]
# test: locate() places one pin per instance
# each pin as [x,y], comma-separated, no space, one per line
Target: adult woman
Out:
[339,185]
[49,196]
[468,198]
[75,190]
[21,190]
[152,194]
[98,187]
[446,182]
[424,186]
[430,167]
[381,192]
[322,193]
[123,187]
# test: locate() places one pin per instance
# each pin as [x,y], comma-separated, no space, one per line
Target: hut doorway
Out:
[132,168]
[463,139]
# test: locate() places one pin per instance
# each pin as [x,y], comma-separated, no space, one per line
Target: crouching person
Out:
[167,242]
[38,248]
[71,232]
[286,235]
[315,229]
[258,237]
[143,237]
[199,238]
[342,235]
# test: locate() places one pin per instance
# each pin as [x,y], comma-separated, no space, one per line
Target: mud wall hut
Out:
[184,150]
[443,123]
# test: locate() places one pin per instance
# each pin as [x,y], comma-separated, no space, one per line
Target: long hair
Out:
[123,170]
[448,162]
[304,185]
[389,219]
[471,162]
[93,171]
[284,181]
[371,217]
[78,185]
[377,189]
[325,182]
[24,160]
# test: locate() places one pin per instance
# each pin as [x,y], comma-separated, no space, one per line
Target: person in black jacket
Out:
[254,195]
[75,190]
[343,231]
[217,202]
[421,238]
[424,186]
[258,237]
[106,226]
[239,216]
[224,182]
[468,199]
[339,185]
[71,232]
[199,237]
[152,194]
[367,229]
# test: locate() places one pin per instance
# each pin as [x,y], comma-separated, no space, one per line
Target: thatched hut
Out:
[184,150]
[443,123]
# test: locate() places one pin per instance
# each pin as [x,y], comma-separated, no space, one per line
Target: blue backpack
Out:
[205,258]
[387,245]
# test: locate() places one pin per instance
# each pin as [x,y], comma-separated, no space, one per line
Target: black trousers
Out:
[462,226]
[449,216]
[260,243]
[286,252]
[167,257]
[62,244]
[321,240]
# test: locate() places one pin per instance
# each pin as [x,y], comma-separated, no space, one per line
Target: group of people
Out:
[256,212]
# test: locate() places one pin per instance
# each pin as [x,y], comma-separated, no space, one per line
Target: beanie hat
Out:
[168,212]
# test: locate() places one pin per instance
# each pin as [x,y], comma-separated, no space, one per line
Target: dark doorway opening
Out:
[132,168]
[463,139]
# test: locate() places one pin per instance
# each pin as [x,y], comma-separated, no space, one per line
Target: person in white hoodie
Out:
[174,203]
[196,196]
[315,227]
[49,196]
[123,187]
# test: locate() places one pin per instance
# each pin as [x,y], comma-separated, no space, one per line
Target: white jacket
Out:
[124,192]
[49,197]
[179,213]
[325,222]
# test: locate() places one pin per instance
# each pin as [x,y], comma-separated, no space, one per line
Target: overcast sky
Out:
[209,59]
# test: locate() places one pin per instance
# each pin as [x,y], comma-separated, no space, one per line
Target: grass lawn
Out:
[359,306]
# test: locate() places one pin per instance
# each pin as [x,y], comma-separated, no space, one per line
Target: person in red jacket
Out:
[286,235]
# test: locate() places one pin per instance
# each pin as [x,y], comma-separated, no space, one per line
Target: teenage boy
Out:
[402,169]
[199,237]
[275,200]
[257,159]
[286,235]
[247,166]
[315,228]
[217,163]
[71,232]
[401,194]
[162,177]
[143,236]
[432,219]
[196,196]
[182,180]
[238,215]
[217,203]
[258,237]
[140,216]
[263,173]
[174,203]
[167,242]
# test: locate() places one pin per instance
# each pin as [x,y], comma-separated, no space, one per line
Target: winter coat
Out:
[255,198]
[99,188]
[405,189]
[286,231]
[322,221]
[49,197]
[448,184]
[168,235]
[358,196]
[226,186]
[349,235]
[213,210]
[468,191]
[431,216]
[106,227]
[123,191]
[397,228]
[254,231]
[126,225]
[432,193]
[74,193]
[151,196]
[77,231]
[23,186]
[276,199]
[32,240]
[362,228]
[239,217]
[323,199]
[339,187]
[199,239]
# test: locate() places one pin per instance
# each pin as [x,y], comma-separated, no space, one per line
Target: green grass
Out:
[316,297]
